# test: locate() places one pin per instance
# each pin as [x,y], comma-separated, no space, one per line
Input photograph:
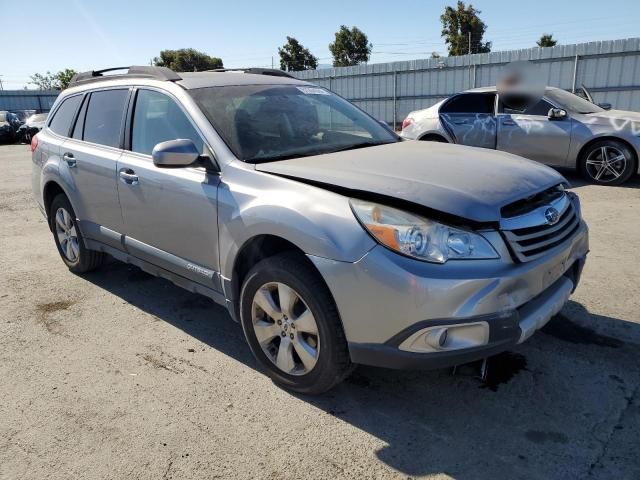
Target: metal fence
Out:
[389,91]
[39,100]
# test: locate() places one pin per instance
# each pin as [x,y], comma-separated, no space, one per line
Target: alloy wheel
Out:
[285,328]
[67,235]
[606,164]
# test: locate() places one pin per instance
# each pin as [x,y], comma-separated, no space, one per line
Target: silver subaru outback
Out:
[329,238]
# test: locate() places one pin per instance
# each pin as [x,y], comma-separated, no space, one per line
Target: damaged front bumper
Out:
[401,313]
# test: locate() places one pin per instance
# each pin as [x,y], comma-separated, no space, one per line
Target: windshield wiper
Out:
[355,146]
[289,156]
[273,158]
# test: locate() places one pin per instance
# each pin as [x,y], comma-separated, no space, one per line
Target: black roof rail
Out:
[142,71]
[256,71]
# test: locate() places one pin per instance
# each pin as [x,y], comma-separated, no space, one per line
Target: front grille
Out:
[532,241]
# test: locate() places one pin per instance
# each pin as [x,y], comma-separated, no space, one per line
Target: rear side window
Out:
[470,103]
[158,118]
[61,122]
[105,113]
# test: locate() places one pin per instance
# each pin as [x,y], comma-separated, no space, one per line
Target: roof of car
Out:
[189,80]
[493,89]
[192,80]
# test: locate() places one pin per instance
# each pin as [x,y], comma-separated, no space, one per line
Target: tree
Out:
[350,47]
[547,40]
[294,57]
[187,60]
[53,81]
[463,30]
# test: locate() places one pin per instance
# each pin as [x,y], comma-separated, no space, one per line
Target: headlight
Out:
[419,237]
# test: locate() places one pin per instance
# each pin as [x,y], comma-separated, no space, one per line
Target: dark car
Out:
[31,126]
[8,126]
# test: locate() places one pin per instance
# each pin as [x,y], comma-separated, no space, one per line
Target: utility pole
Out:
[469,58]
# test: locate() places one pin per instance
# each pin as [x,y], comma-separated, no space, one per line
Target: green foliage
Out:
[547,40]
[187,60]
[457,23]
[53,81]
[294,57]
[350,47]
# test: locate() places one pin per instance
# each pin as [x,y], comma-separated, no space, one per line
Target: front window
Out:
[571,102]
[157,118]
[262,123]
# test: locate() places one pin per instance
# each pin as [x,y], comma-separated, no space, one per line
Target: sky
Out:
[86,35]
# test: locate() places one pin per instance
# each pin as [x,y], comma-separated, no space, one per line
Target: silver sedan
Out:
[560,129]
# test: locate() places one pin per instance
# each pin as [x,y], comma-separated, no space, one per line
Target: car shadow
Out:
[534,417]
[578,181]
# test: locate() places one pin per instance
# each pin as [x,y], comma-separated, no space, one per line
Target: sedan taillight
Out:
[34,143]
[406,122]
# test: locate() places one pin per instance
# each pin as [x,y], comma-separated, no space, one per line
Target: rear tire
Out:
[308,324]
[608,162]
[68,239]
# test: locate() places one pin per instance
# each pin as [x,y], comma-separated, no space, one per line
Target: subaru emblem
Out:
[551,215]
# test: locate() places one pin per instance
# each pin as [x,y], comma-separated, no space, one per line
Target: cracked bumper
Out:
[384,298]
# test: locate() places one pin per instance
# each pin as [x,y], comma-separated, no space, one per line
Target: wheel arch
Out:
[431,137]
[50,190]
[254,250]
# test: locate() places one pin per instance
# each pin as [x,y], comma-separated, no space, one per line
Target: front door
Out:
[469,119]
[529,132]
[170,215]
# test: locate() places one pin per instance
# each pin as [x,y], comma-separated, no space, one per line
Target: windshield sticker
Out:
[313,91]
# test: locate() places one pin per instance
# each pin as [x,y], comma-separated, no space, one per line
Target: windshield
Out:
[572,102]
[263,123]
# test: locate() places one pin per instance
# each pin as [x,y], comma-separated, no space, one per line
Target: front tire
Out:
[608,162]
[68,238]
[292,325]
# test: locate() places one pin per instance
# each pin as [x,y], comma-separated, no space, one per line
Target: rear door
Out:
[527,131]
[470,120]
[56,133]
[170,215]
[91,155]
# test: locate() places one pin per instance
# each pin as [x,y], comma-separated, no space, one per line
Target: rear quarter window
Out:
[105,116]
[61,121]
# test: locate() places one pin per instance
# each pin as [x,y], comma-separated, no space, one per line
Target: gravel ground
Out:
[117,374]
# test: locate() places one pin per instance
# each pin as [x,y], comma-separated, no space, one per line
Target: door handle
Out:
[460,122]
[508,122]
[70,159]
[128,177]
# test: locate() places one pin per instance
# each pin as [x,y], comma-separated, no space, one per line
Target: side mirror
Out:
[175,154]
[557,114]
[606,106]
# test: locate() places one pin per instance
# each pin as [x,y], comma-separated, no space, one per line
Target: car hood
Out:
[471,183]
[613,116]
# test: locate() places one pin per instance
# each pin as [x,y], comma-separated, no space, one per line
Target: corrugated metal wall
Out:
[610,69]
[39,100]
